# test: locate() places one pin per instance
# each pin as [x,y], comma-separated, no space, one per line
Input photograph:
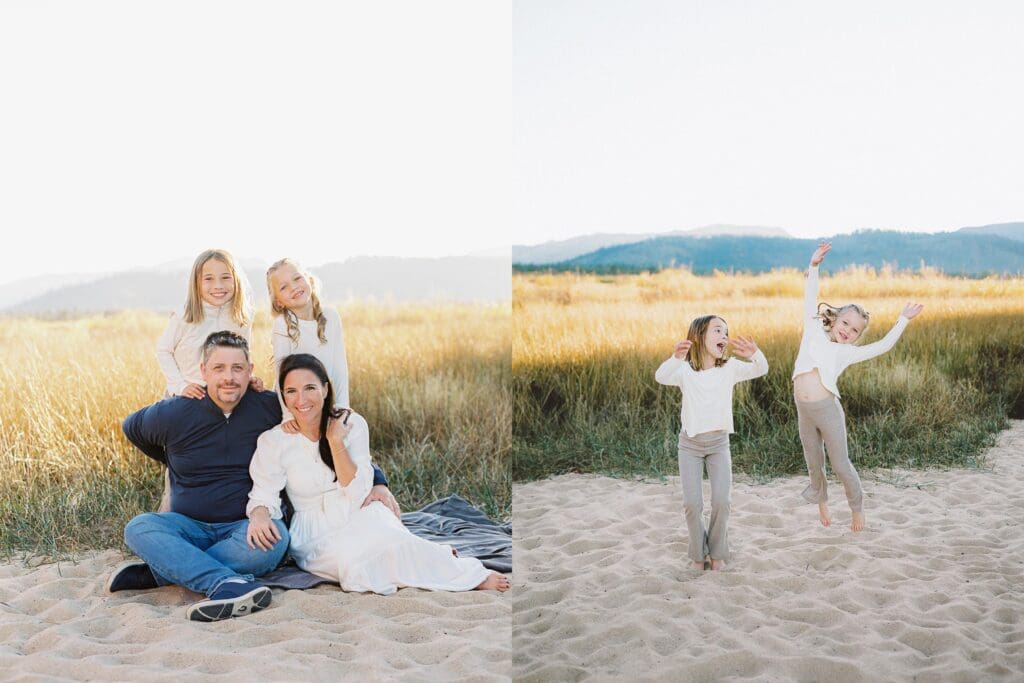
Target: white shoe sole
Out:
[215,610]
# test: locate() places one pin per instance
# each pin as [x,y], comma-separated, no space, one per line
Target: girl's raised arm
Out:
[811,286]
[868,351]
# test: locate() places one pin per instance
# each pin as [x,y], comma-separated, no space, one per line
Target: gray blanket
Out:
[451,520]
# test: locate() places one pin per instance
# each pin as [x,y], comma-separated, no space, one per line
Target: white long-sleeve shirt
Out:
[817,350]
[292,462]
[707,395]
[179,347]
[331,354]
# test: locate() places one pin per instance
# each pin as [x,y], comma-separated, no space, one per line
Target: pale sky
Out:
[816,116]
[136,133]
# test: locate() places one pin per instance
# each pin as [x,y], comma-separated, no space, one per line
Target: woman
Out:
[325,468]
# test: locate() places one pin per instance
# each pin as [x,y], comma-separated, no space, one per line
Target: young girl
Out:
[303,325]
[218,299]
[699,368]
[826,349]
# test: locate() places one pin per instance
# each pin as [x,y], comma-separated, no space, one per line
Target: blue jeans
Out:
[200,555]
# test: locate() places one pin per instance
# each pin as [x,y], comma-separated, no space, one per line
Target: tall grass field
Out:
[586,347]
[432,381]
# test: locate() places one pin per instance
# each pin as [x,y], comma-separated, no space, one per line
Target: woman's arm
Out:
[268,476]
[350,449]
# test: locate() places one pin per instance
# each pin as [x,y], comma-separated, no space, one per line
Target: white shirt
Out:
[179,347]
[817,350]
[707,395]
[331,354]
[292,461]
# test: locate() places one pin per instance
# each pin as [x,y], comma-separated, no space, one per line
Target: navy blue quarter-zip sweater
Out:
[206,453]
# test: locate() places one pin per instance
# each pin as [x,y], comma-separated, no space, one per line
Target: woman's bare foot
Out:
[858,521]
[495,582]
[826,518]
[717,564]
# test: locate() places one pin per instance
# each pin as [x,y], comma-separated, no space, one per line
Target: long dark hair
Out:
[305,361]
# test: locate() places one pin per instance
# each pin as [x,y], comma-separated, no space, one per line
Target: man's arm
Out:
[145,429]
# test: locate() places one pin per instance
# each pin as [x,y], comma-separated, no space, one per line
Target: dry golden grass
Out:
[432,381]
[585,348]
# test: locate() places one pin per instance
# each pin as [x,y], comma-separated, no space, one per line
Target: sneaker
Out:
[133,575]
[231,600]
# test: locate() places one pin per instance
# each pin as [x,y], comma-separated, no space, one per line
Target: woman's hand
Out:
[255,383]
[911,310]
[262,532]
[682,348]
[744,347]
[194,391]
[290,427]
[819,254]
[338,428]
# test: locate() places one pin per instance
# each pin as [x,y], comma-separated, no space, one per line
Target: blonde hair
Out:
[241,310]
[828,314]
[698,330]
[290,318]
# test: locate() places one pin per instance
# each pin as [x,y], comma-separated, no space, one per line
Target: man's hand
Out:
[194,391]
[262,532]
[382,493]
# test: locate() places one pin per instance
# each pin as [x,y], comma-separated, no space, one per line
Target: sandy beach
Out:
[932,590]
[58,623]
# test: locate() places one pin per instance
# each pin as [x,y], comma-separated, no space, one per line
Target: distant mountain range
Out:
[477,278]
[969,251]
[563,250]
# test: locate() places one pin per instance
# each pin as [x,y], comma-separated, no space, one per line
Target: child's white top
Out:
[817,350]
[331,354]
[707,395]
[179,347]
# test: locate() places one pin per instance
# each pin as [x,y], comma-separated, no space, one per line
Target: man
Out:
[207,445]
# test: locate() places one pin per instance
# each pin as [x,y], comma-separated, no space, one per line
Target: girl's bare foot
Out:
[495,582]
[717,564]
[858,521]
[697,564]
[826,518]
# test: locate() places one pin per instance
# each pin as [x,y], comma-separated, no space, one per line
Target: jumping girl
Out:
[827,347]
[700,369]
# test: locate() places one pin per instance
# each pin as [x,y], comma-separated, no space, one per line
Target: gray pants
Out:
[712,449]
[823,423]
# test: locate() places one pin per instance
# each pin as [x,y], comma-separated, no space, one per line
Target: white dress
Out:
[364,549]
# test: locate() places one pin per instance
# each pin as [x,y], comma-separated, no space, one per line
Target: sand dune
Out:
[57,621]
[933,590]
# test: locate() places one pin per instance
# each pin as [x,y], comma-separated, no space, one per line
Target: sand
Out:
[932,590]
[57,622]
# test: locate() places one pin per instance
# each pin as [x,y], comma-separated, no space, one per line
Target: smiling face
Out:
[226,372]
[216,283]
[290,287]
[716,339]
[304,395]
[848,327]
